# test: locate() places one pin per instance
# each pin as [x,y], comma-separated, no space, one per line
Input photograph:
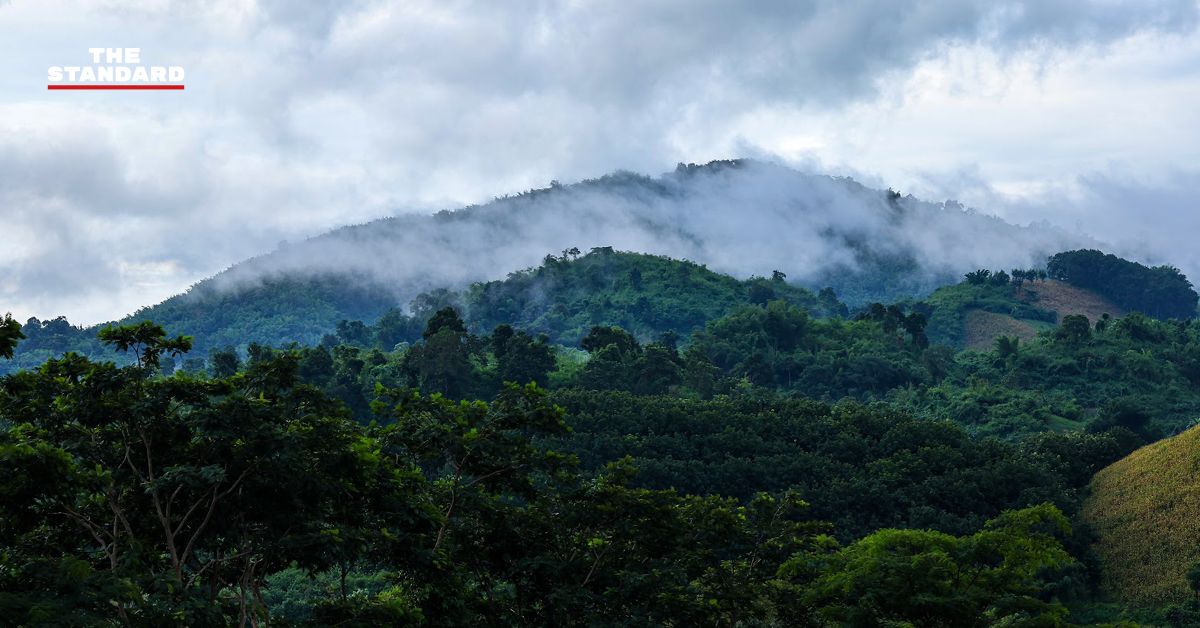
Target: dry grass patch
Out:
[1067,299]
[1146,512]
[980,328]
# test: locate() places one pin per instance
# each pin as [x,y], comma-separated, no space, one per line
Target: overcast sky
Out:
[303,116]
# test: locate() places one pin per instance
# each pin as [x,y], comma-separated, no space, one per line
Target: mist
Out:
[742,218]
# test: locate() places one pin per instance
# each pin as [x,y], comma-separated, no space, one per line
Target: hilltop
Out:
[1145,510]
[973,313]
[643,294]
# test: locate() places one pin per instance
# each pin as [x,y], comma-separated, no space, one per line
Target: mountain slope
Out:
[969,315]
[1066,299]
[972,316]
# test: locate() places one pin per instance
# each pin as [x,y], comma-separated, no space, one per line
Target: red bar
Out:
[114,87]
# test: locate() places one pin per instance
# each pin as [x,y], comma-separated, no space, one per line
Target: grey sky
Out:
[302,116]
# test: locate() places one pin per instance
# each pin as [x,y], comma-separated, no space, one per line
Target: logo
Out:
[115,76]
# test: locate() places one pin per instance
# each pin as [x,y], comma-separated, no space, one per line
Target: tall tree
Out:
[10,335]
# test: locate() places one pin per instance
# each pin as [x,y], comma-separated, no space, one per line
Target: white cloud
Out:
[301,116]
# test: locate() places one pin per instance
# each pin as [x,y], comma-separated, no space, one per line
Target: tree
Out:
[829,302]
[668,339]
[426,304]
[600,337]
[394,328]
[442,364]
[914,325]
[608,369]
[169,502]
[224,362]
[785,325]
[1193,579]
[353,333]
[10,334]
[1007,347]
[1018,278]
[699,373]
[656,371]
[929,579]
[478,464]
[521,358]
[635,278]
[978,277]
[1075,329]
[316,366]
[761,293]
[259,354]
[445,318]
[757,370]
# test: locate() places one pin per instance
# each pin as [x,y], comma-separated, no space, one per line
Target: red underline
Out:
[114,87]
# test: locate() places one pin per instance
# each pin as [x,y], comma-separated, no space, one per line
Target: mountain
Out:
[741,218]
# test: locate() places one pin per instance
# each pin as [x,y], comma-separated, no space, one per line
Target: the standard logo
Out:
[115,76]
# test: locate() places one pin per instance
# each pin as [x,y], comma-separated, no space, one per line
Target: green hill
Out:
[643,294]
[563,297]
[972,315]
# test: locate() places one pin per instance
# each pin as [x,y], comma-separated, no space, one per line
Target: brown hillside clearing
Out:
[1067,299]
[980,328]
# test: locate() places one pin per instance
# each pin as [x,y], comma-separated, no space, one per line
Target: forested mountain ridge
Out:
[563,297]
[741,218]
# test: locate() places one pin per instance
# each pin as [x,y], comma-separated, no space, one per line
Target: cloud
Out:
[301,116]
[1154,221]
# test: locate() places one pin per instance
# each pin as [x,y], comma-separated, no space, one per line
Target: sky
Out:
[302,116]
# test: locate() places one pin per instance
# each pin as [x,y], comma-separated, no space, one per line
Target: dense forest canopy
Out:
[135,500]
[607,438]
